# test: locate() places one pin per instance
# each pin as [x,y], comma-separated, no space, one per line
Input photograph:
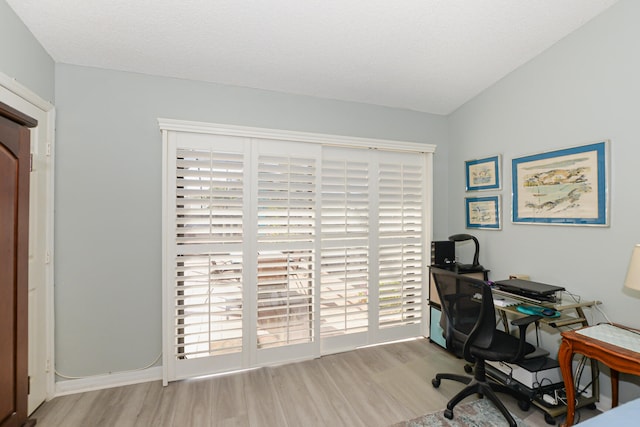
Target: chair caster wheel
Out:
[468,368]
[448,414]
[549,419]
[435,382]
[525,405]
[591,406]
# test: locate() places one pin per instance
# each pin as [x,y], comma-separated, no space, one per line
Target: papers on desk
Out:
[502,301]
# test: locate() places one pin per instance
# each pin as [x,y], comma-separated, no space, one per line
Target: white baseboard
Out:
[604,403]
[107,381]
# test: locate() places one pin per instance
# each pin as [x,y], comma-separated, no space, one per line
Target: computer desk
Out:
[571,313]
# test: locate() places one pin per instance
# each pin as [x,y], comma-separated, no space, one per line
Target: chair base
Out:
[481,387]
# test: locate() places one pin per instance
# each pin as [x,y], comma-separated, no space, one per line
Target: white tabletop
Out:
[613,335]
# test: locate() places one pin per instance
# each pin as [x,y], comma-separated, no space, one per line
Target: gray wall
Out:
[22,57]
[584,89]
[108,195]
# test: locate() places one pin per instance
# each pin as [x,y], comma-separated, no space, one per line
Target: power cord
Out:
[69,377]
[574,297]
[603,314]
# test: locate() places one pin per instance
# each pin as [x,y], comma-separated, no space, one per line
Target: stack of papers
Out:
[502,301]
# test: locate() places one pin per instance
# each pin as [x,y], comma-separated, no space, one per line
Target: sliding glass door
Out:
[278,250]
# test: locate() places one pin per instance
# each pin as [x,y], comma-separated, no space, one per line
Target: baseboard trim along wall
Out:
[100,382]
[604,403]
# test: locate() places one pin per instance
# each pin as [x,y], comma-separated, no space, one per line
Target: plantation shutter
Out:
[279,249]
[286,207]
[344,290]
[401,259]
[208,263]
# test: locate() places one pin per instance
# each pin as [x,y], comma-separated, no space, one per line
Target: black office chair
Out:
[469,324]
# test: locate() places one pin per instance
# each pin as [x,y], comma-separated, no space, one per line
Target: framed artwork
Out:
[483,212]
[483,174]
[565,187]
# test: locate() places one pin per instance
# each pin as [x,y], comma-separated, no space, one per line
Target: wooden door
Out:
[14,254]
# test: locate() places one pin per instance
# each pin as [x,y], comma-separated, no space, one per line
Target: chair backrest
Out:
[468,312]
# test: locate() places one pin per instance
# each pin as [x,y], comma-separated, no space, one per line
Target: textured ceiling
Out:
[424,55]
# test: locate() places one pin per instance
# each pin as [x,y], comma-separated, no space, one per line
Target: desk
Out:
[608,344]
[571,313]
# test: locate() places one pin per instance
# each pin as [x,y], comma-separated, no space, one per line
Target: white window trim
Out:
[286,135]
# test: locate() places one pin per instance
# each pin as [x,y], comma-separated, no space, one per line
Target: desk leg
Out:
[614,387]
[505,321]
[565,356]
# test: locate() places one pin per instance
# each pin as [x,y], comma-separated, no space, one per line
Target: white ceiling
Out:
[424,55]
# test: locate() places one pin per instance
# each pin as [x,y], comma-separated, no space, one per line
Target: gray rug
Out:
[478,413]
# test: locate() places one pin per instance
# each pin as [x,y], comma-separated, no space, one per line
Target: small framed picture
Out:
[483,212]
[483,174]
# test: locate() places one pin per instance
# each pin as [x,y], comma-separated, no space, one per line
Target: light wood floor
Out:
[374,386]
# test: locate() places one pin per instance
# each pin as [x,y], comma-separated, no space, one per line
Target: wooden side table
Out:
[615,346]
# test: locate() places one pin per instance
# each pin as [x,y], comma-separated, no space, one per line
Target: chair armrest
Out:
[525,321]
[522,323]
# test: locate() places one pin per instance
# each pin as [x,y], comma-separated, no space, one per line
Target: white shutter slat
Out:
[345,199]
[208,305]
[400,255]
[345,265]
[208,285]
[286,230]
[209,196]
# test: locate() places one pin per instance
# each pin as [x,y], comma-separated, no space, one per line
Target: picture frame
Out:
[562,187]
[483,174]
[483,212]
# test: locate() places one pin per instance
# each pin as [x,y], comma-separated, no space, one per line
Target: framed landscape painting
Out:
[483,212]
[483,174]
[565,187]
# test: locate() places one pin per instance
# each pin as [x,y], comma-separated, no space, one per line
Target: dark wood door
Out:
[14,254]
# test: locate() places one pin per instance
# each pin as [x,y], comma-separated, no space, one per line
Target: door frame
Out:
[26,101]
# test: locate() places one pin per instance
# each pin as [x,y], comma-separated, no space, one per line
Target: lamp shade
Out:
[633,273]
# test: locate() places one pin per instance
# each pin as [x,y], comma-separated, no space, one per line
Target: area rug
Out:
[479,413]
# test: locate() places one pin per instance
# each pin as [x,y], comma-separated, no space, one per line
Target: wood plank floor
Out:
[373,386]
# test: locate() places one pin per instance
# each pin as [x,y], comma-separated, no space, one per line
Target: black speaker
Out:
[443,253]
